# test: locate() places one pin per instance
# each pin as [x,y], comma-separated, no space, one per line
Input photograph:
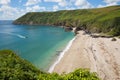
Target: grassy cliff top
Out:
[100,20]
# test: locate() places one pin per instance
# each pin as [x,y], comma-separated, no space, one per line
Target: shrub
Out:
[12,67]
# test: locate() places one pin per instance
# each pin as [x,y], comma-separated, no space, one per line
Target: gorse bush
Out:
[12,67]
[100,20]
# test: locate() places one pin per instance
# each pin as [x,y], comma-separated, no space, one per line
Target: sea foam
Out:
[61,55]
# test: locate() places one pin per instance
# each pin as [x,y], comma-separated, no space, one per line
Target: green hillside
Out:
[12,67]
[100,20]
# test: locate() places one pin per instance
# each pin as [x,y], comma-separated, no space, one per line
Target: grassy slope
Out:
[12,67]
[105,20]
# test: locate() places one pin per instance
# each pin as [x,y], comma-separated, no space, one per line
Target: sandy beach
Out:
[101,55]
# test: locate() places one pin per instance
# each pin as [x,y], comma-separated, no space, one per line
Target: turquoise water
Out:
[37,44]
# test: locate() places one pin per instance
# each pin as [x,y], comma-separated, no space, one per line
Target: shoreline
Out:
[100,55]
[51,69]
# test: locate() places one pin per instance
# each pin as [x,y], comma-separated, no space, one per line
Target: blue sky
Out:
[12,9]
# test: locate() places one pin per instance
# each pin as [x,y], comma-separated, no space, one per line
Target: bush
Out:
[12,67]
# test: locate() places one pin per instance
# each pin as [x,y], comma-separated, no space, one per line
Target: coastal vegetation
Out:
[12,67]
[98,20]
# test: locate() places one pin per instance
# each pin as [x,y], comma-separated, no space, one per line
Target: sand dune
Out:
[101,55]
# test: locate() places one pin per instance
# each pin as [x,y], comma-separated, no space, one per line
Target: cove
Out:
[40,45]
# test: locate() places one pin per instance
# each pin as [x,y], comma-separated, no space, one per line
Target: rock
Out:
[113,39]
[78,29]
[87,32]
[68,28]
[31,22]
[94,36]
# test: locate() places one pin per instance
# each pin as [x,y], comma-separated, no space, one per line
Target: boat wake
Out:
[21,36]
[14,34]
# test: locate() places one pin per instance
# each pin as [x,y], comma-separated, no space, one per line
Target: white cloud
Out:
[35,8]
[61,3]
[5,1]
[32,2]
[70,8]
[55,8]
[100,6]
[111,2]
[52,0]
[70,3]
[9,12]
[83,4]
[6,8]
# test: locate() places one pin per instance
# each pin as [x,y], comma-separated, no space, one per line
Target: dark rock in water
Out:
[68,28]
[26,37]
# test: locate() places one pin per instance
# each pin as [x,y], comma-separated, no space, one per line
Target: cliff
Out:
[100,20]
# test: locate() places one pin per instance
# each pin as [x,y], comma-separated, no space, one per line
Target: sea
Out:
[39,44]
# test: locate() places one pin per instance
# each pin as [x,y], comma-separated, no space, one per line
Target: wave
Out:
[14,34]
[61,55]
[21,36]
